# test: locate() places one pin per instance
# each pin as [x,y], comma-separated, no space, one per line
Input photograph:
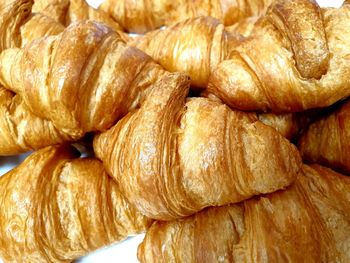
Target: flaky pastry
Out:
[172,158]
[69,11]
[326,141]
[297,58]
[82,80]
[56,208]
[195,46]
[145,15]
[308,222]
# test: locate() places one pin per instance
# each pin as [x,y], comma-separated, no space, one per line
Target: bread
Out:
[287,124]
[194,46]
[56,208]
[21,130]
[326,141]
[69,11]
[296,58]
[309,222]
[172,158]
[244,27]
[13,14]
[82,80]
[145,15]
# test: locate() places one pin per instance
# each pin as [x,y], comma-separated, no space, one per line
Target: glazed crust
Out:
[21,130]
[69,11]
[82,80]
[18,25]
[195,46]
[326,141]
[286,124]
[297,58]
[56,208]
[143,16]
[173,158]
[13,14]
[309,222]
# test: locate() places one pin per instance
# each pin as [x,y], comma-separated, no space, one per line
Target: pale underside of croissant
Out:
[82,80]
[56,208]
[309,222]
[326,140]
[172,158]
[296,58]
[195,46]
[145,15]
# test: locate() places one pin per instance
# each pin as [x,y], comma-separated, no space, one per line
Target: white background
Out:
[124,252]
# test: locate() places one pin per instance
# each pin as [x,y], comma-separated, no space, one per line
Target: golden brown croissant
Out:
[55,208]
[145,15]
[13,14]
[309,222]
[172,158]
[286,124]
[326,141]
[297,57]
[244,27]
[83,79]
[69,11]
[195,46]
[19,26]
[21,130]
[38,26]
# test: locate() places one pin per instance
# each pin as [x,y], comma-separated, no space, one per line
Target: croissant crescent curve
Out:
[308,222]
[18,25]
[82,80]
[145,15]
[194,46]
[172,158]
[297,58]
[21,130]
[56,208]
[69,11]
[326,141]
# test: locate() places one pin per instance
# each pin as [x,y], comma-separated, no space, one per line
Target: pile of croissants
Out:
[221,129]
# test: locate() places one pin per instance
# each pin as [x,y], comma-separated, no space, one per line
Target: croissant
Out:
[326,141]
[195,46]
[69,11]
[244,27]
[309,222]
[13,14]
[288,124]
[297,58]
[172,158]
[19,26]
[146,15]
[21,130]
[39,26]
[82,80]
[55,208]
